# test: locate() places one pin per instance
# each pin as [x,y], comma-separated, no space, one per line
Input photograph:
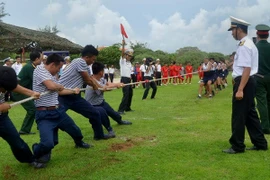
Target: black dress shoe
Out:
[121,113]
[37,165]
[129,110]
[44,158]
[111,134]
[83,145]
[123,122]
[257,148]
[105,137]
[231,151]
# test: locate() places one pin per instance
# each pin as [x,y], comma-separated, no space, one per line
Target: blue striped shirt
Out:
[71,77]
[2,98]
[40,75]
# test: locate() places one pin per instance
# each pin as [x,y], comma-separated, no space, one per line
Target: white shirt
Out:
[246,56]
[149,73]
[111,70]
[142,68]
[106,70]
[158,66]
[17,67]
[125,67]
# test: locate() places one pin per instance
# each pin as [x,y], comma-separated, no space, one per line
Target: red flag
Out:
[123,32]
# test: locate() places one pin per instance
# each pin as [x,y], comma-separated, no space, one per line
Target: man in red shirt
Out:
[189,70]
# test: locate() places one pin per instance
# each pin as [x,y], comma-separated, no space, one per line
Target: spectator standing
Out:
[263,77]
[26,80]
[158,72]
[111,73]
[17,66]
[106,72]
[244,113]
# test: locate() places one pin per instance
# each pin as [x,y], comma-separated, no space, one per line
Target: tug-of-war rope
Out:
[105,89]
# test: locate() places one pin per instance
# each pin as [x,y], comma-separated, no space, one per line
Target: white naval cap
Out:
[129,52]
[236,22]
[67,58]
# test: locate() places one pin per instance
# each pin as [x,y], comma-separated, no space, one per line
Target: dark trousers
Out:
[30,108]
[263,100]
[151,84]
[134,79]
[19,148]
[106,76]
[244,115]
[142,74]
[111,77]
[127,96]
[109,110]
[158,76]
[49,121]
[80,105]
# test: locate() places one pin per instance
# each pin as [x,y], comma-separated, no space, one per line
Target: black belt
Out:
[259,75]
[3,113]
[50,108]
[238,78]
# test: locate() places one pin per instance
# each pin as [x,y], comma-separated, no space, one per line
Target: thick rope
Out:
[102,89]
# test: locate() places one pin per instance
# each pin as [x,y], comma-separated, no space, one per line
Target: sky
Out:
[165,25]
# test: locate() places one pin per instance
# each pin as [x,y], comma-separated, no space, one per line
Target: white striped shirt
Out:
[95,97]
[71,77]
[40,75]
[2,98]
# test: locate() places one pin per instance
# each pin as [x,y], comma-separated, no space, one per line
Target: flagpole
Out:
[50,16]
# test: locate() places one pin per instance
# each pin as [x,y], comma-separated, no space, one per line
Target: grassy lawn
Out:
[175,136]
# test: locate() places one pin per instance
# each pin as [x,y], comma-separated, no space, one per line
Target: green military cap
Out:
[262,29]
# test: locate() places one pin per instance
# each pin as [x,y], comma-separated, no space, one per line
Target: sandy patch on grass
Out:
[131,142]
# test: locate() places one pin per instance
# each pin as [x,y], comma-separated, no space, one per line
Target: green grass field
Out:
[175,136]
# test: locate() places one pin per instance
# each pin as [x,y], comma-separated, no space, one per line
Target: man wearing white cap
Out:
[158,72]
[142,68]
[244,113]
[125,69]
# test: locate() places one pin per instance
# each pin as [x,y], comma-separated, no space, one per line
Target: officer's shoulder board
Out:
[242,43]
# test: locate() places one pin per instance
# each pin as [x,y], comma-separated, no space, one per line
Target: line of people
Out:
[49,110]
[213,76]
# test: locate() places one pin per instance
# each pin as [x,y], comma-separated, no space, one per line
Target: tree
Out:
[217,56]
[184,50]
[110,55]
[48,29]
[2,11]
